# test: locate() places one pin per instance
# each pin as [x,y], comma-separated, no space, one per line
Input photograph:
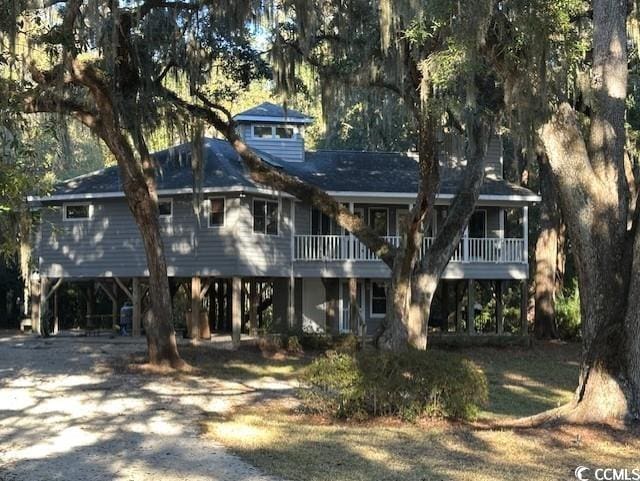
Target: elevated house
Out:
[256,259]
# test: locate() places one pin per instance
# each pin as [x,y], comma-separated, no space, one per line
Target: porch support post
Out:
[291,312]
[459,297]
[444,286]
[91,304]
[354,309]
[114,306]
[44,303]
[137,307]
[236,314]
[524,304]
[253,307]
[194,318]
[499,308]
[55,312]
[35,302]
[212,302]
[471,302]
[203,318]
[525,232]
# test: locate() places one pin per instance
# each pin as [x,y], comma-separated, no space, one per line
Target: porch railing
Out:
[347,248]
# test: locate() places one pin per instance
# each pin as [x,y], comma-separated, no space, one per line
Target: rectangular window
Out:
[265,217]
[320,223]
[478,224]
[165,207]
[263,131]
[378,299]
[77,211]
[284,132]
[216,212]
[379,221]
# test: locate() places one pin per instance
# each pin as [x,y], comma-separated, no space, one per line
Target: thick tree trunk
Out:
[142,201]
[546,257]
[478,134]
[597,230]
[403,327]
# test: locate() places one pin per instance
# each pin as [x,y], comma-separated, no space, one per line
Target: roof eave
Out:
[271,119]
[491,199]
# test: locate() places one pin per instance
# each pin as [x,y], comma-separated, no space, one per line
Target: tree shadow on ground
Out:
[66,413]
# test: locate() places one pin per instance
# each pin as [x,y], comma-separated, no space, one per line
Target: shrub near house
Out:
[406,385]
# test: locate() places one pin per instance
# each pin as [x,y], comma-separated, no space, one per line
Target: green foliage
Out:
[568,312]
[406,385]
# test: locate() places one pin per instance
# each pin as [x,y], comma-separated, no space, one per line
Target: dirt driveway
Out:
[64,415]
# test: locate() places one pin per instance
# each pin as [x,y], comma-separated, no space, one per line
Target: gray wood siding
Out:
[109,244]
[291,150]
[453,155]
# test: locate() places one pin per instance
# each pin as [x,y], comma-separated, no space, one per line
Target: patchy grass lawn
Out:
[300,447]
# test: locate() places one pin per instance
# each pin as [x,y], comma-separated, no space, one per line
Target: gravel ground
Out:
[65,416]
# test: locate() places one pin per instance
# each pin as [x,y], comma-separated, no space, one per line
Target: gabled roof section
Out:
[269,112]
[341,173]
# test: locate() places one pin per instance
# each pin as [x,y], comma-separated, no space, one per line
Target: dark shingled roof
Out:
[268,109]
[336,171]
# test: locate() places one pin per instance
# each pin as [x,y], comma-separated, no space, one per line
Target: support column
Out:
[35,303]
[115,306]
[354,309]
[471,310]
[459,297]
[91,304]
[193,326]
[524,304]
[44,304]
[254,301]
[499,307]
[525,231]
[205,332]
[56,324]
[444,286]
[137,307]
[236,311]
[212,303]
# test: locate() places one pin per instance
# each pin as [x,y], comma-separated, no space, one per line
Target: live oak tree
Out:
[424,53]
[572,94]
[100,63]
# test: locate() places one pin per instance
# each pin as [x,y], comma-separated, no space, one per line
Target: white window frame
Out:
[296,132]
[371,313]
[486,226]
[166,199]
[379,208]
[253,210]
[224,212]
[75,204]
